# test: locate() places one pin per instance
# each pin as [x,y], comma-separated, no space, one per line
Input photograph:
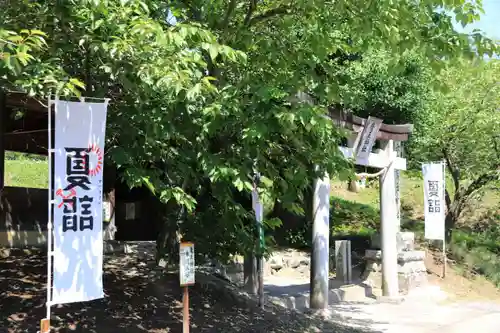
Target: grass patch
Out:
[23,170]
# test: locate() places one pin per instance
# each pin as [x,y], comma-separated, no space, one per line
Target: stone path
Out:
[420,317]
[419,313]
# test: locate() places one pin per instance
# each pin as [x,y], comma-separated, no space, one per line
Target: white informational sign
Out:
[77,220]
[367,138]
[257,206]
[186,264]
[107,211]
[434,200]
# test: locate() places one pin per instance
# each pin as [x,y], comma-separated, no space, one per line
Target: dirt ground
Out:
[138,300]
[458,286]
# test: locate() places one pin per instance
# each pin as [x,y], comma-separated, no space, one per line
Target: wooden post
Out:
[185,310]
[251,280]
[3,122]
[389,227]
[44,325]
[320,244]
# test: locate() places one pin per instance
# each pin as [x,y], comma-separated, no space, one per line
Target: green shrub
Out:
[351,218]
[347,219]
[478,247]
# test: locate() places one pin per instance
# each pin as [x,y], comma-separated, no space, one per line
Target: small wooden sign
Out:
[45,325]
[186,264]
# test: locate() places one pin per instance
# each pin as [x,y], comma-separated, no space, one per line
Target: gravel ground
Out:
[139,299]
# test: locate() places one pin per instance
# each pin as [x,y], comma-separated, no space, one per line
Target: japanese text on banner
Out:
[434,200]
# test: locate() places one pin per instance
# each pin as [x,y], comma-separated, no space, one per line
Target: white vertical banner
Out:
[434,200]
[78,201]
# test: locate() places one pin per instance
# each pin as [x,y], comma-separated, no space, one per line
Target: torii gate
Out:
[386,160]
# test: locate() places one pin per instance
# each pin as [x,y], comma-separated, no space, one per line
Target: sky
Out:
[490,20]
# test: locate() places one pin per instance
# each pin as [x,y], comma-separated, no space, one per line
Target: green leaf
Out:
[266,181]
[213,51]
[77,83]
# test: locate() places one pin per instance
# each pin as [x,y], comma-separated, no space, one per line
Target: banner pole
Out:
[443,163]
[49,221]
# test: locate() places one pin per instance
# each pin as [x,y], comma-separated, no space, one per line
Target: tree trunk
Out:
[454,211]
[353,186]
[167,244]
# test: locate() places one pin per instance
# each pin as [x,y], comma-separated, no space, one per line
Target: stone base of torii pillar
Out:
[412,273]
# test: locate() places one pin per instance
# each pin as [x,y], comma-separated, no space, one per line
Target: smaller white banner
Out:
[367,138]
[186,264]
[257,206]
[434,200]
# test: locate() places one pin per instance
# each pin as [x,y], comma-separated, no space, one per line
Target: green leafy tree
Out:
[22,69]
[372,86]
[462,127]
[198,105]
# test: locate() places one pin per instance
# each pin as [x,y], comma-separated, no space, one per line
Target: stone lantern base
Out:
[412,272]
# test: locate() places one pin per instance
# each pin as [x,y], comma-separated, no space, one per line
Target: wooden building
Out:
[24,211]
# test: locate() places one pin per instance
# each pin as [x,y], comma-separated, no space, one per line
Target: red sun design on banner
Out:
[95,160]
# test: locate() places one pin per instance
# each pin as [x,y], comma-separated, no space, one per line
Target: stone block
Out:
[408,282]
[373,255]
[411,256]
[405,241]
[412,272]
[375,241]
[343,261]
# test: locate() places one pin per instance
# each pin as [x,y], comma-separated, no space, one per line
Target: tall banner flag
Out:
[78,207]
[434,200]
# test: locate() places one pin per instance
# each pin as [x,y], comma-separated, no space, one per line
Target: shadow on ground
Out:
[138,300]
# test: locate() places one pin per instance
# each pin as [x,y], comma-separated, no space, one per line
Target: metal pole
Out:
[444,217]
[445,260]
[185,310]
[49,208]
[320,244]
[389,227]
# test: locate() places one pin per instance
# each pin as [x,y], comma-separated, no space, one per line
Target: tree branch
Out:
[251,8]
[269,14]
[229,11]
[447,198]
[480,182]
[496,146]
[195,13]
[453,170]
